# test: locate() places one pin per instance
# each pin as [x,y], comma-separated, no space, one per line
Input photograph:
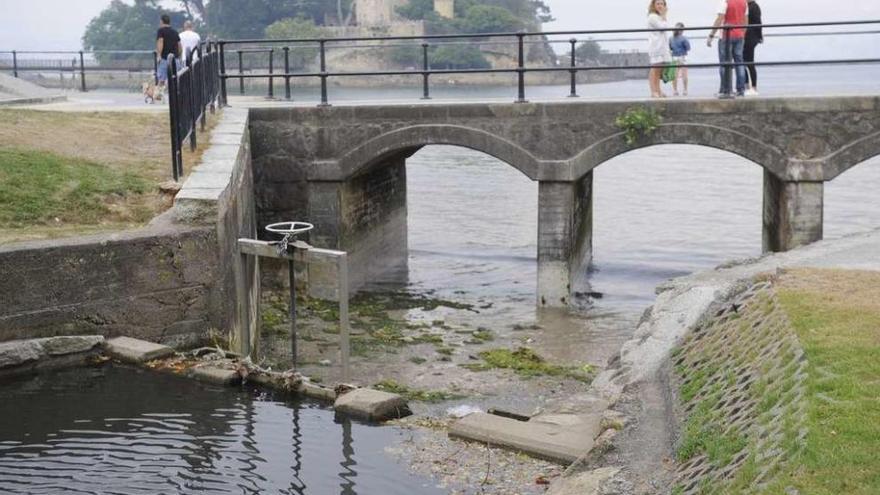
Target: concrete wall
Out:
[219,194]
[153,284]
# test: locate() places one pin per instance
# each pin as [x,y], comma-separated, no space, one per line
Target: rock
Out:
[136,351]
[216,376]
[586,483]
[18,352]
[170,187]
[372,405]
[315,391]
[325,362]
[544,440]
[60,346]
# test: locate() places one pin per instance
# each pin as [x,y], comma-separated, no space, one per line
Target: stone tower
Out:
[445,8]
[377,13]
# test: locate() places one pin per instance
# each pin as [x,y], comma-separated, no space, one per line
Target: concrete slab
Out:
[372,405]
[135,350]
[549,441]
[216,376]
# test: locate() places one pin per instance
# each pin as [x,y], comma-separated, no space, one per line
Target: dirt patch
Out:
[126,142]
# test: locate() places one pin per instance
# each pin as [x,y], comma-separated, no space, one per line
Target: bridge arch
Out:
[414,137]
[851,155]
[763,154]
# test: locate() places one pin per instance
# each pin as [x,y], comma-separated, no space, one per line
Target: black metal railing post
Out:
[574,71]
[223,96]
[155,67]
[521,68]
[193,100]
[82,71]
[14,63]
[173,113]
[240,72]
[271,94]
[426,73]
[286,72]
[324,98]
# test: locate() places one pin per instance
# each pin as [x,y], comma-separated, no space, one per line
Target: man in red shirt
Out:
[732,43]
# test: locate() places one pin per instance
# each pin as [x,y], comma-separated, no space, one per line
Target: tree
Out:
[489,19]
[296,28]
[126,27]
[588,51]
[449,56]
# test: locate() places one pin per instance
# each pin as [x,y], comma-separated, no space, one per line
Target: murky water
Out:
[124,431]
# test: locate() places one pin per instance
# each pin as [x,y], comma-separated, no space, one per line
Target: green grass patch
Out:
[36,188]
[525,362]
[395,387]
[839,328]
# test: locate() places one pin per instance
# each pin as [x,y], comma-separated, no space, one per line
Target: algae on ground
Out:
[408,393]
[525,362]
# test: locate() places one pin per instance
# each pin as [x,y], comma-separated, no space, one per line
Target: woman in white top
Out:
[658,45]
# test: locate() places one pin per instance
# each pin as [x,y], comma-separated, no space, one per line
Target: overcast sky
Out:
[59,24]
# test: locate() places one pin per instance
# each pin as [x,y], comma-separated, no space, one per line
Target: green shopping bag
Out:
[669,72]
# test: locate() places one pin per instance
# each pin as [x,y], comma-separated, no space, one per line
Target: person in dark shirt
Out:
[167,42]
[754,37]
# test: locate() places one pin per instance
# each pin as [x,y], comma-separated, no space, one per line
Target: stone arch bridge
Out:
[343,167]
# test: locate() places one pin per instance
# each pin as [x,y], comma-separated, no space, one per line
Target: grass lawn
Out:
[69,173]
[836,315]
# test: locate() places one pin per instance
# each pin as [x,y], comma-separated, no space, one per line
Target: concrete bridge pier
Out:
[365,216]
[565,238]
[793,213]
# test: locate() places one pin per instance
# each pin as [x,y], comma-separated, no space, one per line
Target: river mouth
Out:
[120,430]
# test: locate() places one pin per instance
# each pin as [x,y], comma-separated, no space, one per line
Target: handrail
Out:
[544,33]
[518,38]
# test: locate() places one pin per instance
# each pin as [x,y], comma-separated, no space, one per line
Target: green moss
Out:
[417,360]
[395,387]
[525,362]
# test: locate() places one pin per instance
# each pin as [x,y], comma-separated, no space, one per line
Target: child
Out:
[680,47]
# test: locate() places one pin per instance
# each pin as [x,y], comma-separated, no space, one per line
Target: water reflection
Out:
[116,430]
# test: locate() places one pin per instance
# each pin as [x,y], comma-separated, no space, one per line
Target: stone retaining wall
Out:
[740,377]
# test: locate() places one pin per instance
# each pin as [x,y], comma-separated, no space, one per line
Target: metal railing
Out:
[78,62]
[520,39]
[193,91]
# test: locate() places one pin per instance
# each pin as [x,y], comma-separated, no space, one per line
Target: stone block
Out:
[216,376]
[318,392]
[18,352]
[555,442]
[372,405]
[60,346]
[135,350]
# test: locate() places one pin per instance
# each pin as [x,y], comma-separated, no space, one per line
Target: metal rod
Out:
[14,63]
[292,276]
[344,326]
[287,71]
[82,71]
[520,69]
[271,95]
[324,99]
[193,101]
[173,116]
[426,67]
[223,96]
[156,68]
[728,57]
[573,93]
[240,72]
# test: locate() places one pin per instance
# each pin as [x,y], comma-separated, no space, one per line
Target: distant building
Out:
[445,8]
[377,13]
